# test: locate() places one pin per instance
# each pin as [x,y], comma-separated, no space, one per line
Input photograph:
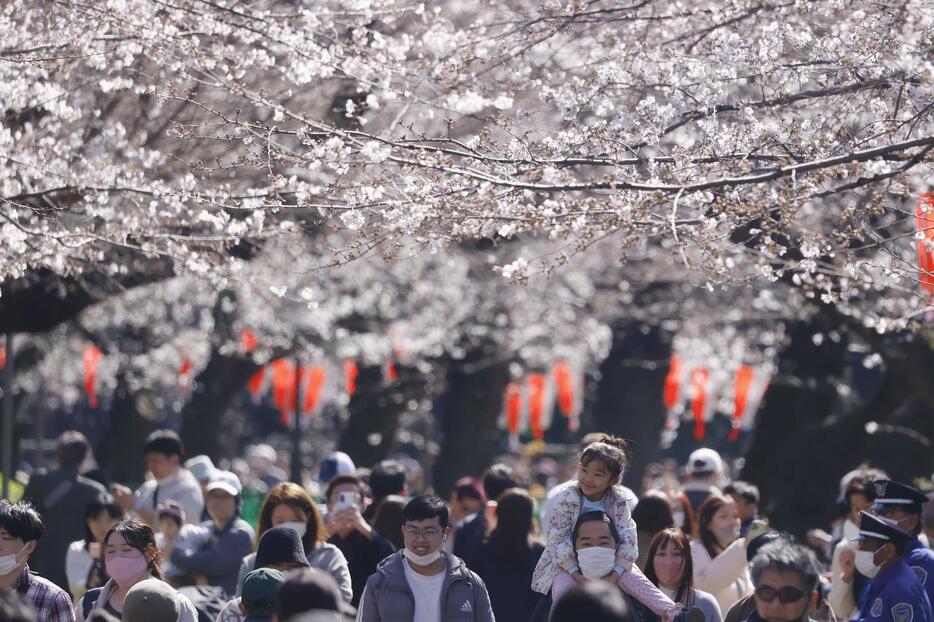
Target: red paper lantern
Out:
[247,340]
[283,387]
[742,388]
[315,378]
[536,388]
[255,384]
[184,372]
[672,391]
[564,383]
[513,402]
[91,359]
[390,372]
[925,226]
[350,376]
[699,380]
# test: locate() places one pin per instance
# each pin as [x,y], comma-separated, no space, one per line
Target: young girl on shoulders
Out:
[598,488]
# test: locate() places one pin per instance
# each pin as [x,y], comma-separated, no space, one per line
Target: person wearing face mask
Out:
[280,549]
[903,504]
[669,566]
[84,562]
[360,543]
[424,583]
[219,557]
[719,554]
[21,529]
[131,556]
[595,540]
[290,505]
[846,582]
[894,593]
[786,583]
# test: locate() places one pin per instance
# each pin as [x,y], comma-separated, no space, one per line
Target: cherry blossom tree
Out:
[735,141]
[686,164]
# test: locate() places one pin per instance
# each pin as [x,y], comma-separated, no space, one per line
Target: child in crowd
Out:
[173,529]
[598,488]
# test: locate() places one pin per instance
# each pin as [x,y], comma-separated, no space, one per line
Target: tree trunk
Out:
[794,458]
[215,389]
[629,393]
[375,409]
[119,453]
[468,412]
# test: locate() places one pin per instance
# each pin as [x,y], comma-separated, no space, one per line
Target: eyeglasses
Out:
[787,594]
[427,533]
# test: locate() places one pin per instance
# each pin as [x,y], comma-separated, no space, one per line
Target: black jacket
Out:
[509,585]
[363,555]
[61,496]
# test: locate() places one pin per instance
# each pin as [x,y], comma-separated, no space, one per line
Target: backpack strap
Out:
[89,600]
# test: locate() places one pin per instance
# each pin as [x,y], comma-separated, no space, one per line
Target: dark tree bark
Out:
[215,389]
[217,386]
[375,409]
[42,299]
[629,394]
[807,436]
[118,453]
[468,412]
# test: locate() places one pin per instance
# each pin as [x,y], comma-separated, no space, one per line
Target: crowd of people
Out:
[372,545]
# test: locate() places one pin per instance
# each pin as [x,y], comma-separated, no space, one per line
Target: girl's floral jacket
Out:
[559,550]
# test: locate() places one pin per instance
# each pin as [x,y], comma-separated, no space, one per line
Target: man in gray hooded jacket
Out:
[423,583]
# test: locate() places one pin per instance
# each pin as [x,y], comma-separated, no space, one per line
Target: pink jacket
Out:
[559,550]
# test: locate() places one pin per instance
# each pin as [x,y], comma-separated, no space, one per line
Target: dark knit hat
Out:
[280,545]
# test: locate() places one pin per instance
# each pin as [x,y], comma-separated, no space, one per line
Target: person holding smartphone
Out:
[362,545]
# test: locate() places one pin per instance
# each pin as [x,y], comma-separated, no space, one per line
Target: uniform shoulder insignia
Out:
[921,573]
[876,610]
[902,612]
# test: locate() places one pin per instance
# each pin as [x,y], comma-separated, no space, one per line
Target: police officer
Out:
[903,504]
[893,593]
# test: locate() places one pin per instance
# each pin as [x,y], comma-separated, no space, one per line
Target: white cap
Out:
[337,463]
[262,450]
[201,467]
[226,481]
[704,460]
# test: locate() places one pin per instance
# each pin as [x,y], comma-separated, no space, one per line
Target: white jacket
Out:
[726,576]
[187,611]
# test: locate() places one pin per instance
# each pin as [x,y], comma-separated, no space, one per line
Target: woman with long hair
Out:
[683,513]
[719,554]
[669,565]
[388,519]
[131,556]
[84,561]
[506,560]
[290,505]
[652,514]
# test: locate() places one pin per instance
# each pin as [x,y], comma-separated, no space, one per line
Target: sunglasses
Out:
[788,594]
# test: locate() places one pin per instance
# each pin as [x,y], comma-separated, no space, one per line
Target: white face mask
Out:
[727,535]
[596,562]
[422,560]
[8,563]
[865,563]
[297,527]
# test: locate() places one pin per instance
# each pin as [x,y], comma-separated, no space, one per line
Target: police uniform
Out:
[895,594]
[887,494]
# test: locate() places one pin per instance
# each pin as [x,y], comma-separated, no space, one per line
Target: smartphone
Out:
[347,500]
